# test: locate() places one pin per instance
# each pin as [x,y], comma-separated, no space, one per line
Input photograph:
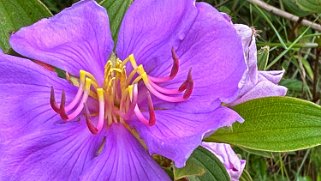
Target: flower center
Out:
[118,96]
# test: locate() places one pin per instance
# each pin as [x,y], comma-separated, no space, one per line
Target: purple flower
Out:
[226,155]
[255,83]
[161,91]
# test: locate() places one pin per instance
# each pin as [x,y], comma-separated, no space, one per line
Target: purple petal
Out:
[25,96]
[59,152]
[226,155]
[250,76]
[213,50]
[274,76]
[254,83]
[178,132]
[123,158]
[204,46]
[263,88]
[77,38]
[151,28]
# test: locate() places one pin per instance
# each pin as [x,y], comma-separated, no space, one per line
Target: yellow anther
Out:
[100,93]
[88,84]
[132,60]
[83,75]
[140,70]
[130,91]
[145,78]
[117,70]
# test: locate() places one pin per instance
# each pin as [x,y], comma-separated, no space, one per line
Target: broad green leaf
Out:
[258,152]
[15,14]
[263,57]
[116,10]
[277,124]
[212,167]
[313,6]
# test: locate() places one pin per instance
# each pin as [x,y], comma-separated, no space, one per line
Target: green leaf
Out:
[15,14]
[277,124]
[116,10]
[212,166]
[293,85]
[263,57]
[192,168]
[258,152]
[313,6]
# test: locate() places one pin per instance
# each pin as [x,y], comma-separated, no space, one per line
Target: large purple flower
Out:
[161,91]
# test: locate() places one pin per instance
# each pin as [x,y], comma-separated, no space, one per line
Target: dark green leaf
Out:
[116,10]
[277,124]
[15,14]
[213,168]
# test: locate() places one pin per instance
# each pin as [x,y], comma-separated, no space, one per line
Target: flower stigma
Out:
[118,95]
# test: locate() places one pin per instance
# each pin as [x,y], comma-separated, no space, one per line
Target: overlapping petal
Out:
[254,83]
[151,28]
[178,132]
[77,38]
[123,158]
[204,46]
[52,153]
[226,155]
[25,96]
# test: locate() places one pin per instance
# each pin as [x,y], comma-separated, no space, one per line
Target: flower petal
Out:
[25,96]
[264,88]
[226,155]
[123,158]
[151,28]
[77,38]
[254,83]
[178,132]
[205,48]
[213,50]
[59,152]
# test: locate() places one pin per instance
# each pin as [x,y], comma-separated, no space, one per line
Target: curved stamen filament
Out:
[173,72]
[74,102]
[101,116]
[152,118]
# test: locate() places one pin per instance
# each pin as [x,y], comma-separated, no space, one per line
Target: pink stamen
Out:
[187,85]
[53,102]
[173,73]
[152,118]
[61,109]
[101,116]
[89,123]
[74,102]
[132,104]
[162,96]
[164,90]
[62,106]
[79,108]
